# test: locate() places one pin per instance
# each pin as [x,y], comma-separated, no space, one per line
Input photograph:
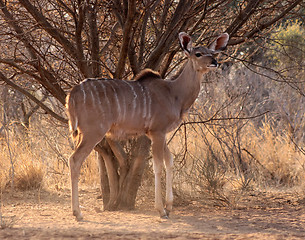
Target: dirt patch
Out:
[47,215]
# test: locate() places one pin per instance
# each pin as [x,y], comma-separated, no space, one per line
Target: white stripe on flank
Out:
[144,99]
[105,94]
[97,97]
[135,96]
[149,106]
[89,88]
[83,91]
[116,98]
[122,101]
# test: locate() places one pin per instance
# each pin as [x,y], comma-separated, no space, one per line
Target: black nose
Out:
[214,63]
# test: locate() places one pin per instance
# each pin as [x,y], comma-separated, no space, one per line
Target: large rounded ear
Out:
[220,43]
[186,42]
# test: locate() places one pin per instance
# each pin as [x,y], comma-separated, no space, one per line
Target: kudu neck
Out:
[187,85]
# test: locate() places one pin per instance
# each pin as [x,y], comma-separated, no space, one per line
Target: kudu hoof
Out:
[164,217]
[78,216]
[167,212]
[164,214]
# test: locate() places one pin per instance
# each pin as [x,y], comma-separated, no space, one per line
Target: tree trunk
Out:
[121,173]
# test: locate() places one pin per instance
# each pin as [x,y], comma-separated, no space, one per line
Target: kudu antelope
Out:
[148,105]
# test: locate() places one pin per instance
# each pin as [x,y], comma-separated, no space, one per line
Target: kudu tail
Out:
[73,122]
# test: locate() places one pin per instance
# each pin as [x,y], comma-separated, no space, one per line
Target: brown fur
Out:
[73,130]
[150,105]
[147,73]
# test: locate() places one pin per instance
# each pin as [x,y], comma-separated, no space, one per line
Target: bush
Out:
[29,177]
[288,46]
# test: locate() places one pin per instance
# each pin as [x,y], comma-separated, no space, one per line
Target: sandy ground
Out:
[45,215]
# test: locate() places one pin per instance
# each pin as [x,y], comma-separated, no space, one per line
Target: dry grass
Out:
[29,176]
[7,222]
[282,162]
[217,162]
[41,160]
[220,171]
[210,170]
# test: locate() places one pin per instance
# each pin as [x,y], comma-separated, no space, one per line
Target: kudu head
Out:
[203,58]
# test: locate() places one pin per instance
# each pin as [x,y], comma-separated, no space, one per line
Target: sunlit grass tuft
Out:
[29,176]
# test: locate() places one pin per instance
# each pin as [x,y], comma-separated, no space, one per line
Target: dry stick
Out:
[54,32]
[34,99]
[215,119]
[289,83]
[280,78]
[259,66]
[300,149]
[127,31]
[11,158]
[49,81]
[185,144]
[259,163]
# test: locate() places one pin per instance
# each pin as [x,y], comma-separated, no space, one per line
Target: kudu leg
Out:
[158,144]
[169,180]
[81,152]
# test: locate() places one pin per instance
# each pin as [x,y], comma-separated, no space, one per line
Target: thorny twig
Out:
[215,119]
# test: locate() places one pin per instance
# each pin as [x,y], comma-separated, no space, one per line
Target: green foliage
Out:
[288,46]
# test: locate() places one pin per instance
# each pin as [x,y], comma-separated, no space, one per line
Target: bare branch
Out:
[243,16]
[31,97]
[127,32]
[214,119]
[261,26]
[47,80]
[94,41]
[76,53]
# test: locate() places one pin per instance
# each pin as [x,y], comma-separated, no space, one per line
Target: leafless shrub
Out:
[29,177]
[7,221]
[235,139]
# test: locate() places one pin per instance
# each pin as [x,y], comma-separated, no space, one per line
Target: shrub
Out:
[29,177]
[288,46]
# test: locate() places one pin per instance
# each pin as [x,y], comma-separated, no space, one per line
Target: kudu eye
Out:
[198,54]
